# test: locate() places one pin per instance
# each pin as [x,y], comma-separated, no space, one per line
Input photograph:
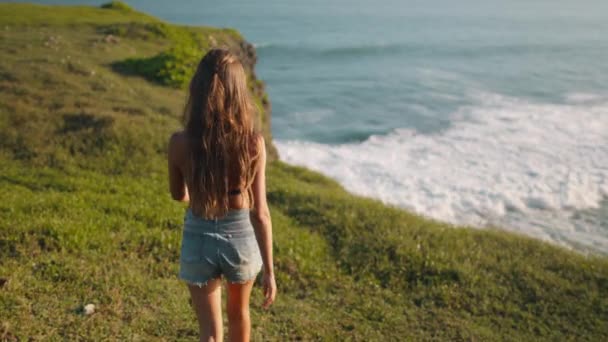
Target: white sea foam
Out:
[523,166]
[583,97]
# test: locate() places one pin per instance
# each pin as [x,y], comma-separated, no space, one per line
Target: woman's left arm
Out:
[177,185]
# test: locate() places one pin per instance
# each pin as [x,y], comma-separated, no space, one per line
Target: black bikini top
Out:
[234,192]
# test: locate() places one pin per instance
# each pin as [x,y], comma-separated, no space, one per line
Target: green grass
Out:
[38,15]
[86,217]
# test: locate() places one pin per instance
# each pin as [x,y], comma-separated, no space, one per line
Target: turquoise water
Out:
[473,112]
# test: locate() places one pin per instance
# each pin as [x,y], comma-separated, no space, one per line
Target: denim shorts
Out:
[223,247]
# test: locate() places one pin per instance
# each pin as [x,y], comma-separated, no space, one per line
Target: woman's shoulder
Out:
[257,143]
[257,138]
[178,139]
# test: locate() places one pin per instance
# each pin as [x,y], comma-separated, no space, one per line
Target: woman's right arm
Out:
[177,185]
[260,219]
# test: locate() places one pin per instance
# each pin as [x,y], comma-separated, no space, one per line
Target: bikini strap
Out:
[234,192]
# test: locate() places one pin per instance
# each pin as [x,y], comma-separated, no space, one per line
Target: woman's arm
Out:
[177,185]
[260,218]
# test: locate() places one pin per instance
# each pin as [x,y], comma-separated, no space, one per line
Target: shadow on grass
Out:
[147,68]
[38,184]
[83,121]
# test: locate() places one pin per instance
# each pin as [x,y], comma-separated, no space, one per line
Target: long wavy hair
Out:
[219,125]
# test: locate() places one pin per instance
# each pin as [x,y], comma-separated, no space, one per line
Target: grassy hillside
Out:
[86,111]
[76,88]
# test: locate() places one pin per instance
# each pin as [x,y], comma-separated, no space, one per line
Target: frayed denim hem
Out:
[194,282]
[245,280]
[248,277]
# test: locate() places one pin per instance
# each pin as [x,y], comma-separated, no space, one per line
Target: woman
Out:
[217,165]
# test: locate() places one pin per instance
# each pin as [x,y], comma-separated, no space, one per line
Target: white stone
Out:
[89,309]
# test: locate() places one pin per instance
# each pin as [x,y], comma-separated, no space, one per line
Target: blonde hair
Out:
[219,125]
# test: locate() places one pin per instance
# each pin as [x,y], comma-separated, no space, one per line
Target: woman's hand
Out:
[270,289]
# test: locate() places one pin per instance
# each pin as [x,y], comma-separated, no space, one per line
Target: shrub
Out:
[173,68]
[117,5]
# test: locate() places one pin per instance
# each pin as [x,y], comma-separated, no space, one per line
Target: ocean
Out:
[480,113]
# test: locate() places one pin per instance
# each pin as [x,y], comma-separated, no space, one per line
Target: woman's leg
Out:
[239,324]
[207,302]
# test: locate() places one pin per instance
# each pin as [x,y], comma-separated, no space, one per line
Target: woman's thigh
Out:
[207,303]
[238,295]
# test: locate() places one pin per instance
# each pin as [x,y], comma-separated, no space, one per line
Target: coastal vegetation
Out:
[88,99]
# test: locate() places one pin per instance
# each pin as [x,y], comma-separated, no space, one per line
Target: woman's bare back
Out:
[181,152]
